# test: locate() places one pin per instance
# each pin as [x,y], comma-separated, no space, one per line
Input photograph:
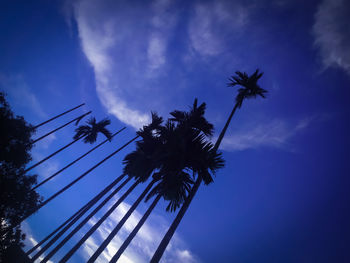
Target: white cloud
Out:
[45,169]
[144,244]
[275,133]
[332,33]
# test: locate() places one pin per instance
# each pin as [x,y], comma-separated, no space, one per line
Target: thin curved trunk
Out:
[135,230]
[70,164]
[166,239]
[59,115]
[62,126]
[81,224]
[96,225]
[53,154]
[120,224]
[79,178]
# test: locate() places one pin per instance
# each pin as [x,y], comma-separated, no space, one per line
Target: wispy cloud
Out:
[275,134]
[332,33]
[211,23]
[18,90]
[144,244]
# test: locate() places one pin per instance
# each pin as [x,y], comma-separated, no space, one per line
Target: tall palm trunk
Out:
[70,164]
[93,202]
[96,225]
[76,180]
[169,234]
[120,224]
[97,197]
[59,115]
[64,125]
[135,230]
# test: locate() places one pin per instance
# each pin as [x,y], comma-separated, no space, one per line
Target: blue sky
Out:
[283,195]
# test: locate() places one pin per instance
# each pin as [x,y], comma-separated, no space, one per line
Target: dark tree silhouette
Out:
[170,152]
[16,197]
[249,89]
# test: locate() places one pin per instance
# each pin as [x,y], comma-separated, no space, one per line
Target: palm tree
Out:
[249,89]
[89,132]
[179,149]
[76,160]
[59,115]
[62,126]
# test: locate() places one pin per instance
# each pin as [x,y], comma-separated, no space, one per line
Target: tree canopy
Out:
[16,197]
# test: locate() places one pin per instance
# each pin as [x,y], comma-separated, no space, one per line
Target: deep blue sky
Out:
[284,193]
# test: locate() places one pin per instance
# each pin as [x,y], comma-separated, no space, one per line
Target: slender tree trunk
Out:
[53,154]
[59,115]
[96,225]
[70,164]
[64,125]
[135,230]
[81,224]
[169,234]
[120,224]
[79,178]
[166,239]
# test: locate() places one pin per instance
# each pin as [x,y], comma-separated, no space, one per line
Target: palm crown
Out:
[250,87]
[91,130]
[174,152]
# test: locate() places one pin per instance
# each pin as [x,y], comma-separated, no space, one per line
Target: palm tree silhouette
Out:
[176,148]
[87,132]
[249,89]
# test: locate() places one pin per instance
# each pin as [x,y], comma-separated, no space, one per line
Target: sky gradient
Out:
[283,195]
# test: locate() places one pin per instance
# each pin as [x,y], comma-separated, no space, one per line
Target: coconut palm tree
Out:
[249,88]
[87,132]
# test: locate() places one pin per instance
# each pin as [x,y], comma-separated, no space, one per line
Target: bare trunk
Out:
[82,156]
[135,230]
[100,221]
[59,115]
[64,125]
[81,224]
[120,224]
[169,234]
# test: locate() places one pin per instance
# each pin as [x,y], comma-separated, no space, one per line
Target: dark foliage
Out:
[249,86]
[91,130]
[175,153]
[16,198]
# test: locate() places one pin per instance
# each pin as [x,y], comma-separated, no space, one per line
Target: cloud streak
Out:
[275,134]
[332,33]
